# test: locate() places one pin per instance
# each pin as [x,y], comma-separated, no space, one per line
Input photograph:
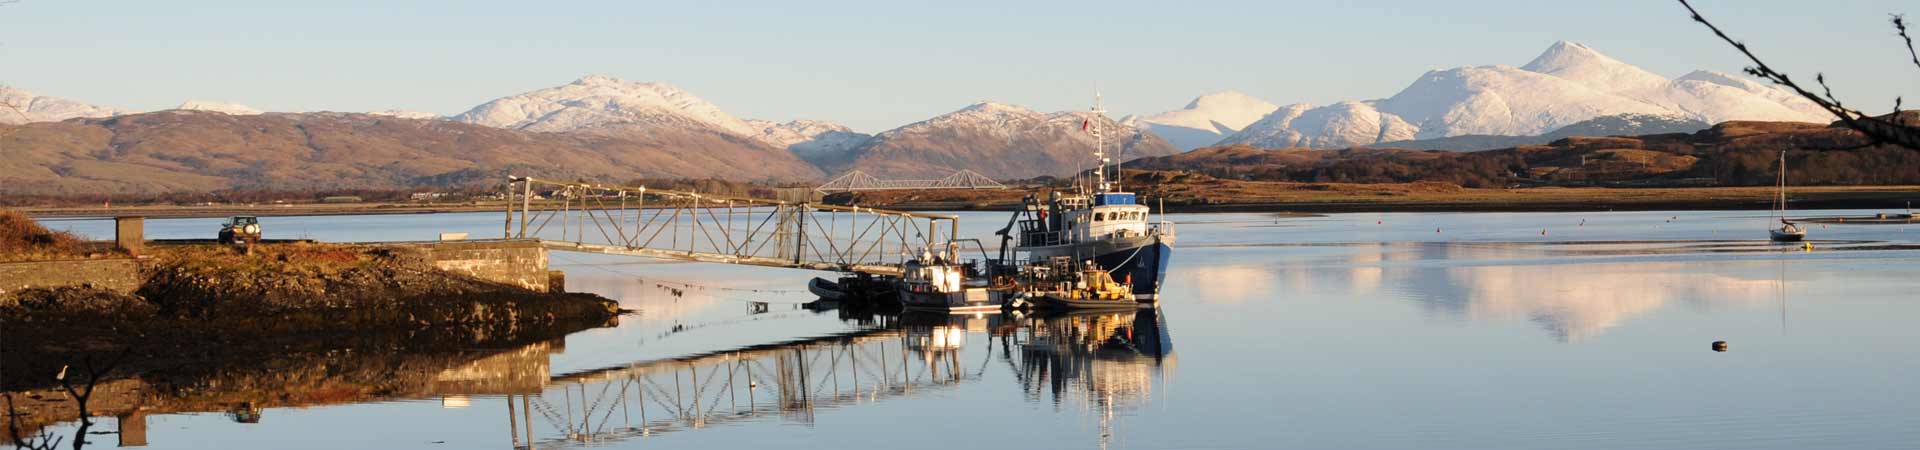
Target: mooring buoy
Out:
[1720,346]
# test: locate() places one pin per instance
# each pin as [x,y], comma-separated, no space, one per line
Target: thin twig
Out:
[1900,24]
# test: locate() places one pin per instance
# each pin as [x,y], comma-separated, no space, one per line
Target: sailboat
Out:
[1788,231]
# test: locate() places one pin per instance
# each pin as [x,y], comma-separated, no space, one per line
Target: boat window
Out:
[1099,217]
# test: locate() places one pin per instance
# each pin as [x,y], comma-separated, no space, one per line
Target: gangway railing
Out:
[696,226]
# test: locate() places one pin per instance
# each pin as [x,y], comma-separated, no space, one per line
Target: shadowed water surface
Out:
[1418,330]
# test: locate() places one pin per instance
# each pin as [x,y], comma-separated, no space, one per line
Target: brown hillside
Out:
[188,151]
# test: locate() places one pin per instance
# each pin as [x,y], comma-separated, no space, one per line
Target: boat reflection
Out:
[1106,358]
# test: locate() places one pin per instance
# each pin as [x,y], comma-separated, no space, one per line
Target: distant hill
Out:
[1205,120]
[19,106]
[1729,154]
[1614,125]
[198,151]
[997,140]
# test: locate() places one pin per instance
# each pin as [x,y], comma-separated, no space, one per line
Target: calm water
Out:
[1471,330]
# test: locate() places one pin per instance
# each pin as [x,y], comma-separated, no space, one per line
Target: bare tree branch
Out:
[1876,129]
[1900,24]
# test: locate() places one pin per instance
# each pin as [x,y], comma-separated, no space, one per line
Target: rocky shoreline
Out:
[210,302]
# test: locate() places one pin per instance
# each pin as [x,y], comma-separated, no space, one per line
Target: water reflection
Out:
[1572,291]
[247,386]
[1100,361]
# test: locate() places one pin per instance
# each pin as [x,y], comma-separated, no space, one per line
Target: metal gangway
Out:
[705,227]
[856,181]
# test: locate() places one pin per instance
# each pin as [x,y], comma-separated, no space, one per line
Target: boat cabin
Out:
[1111,214]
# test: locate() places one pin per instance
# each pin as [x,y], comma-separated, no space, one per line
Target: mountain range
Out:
[1569,89]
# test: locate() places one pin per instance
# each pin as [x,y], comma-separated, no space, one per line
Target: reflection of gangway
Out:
[860,181]
[693,226]
[790,379]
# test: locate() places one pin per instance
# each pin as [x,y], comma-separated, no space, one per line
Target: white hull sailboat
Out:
[1788,231]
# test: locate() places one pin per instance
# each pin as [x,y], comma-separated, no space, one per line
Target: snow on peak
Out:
[217,106]
[992,107]
[405,114]
[598,100]
[793,132]
[1343,124]
[815,141]
[1584,65]
[1567,84]
[1207,118]
[19,106]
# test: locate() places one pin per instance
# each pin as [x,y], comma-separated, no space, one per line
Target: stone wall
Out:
[119,274]
[519,263]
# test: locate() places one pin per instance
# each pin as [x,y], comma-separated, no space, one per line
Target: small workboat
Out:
[1788,231]
[936,281]
[1090,287]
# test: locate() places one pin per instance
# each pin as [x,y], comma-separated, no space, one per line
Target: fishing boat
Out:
[1788,231]
[1098,221]
[939,281]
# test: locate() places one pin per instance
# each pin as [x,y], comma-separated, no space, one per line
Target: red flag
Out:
[1084,123]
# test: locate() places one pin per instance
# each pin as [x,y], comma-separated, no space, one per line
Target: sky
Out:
[881,64]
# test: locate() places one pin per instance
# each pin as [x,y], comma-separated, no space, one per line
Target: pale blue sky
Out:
[876,65]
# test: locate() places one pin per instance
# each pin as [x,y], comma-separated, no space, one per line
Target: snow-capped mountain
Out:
[19,106]
[1206,119]
[1000,141]
[219,107]
[812,140]
[406,114]
[596,101]
[1566,84]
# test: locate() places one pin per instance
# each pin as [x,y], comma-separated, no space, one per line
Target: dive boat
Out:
[1788,231]
[1097,222]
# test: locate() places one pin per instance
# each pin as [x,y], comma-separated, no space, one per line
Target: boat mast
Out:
[1783,185]
[1099,144]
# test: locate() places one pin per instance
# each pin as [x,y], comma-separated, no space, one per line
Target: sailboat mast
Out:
[1783,185]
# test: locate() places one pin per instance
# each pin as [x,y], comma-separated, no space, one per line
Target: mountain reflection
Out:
[1562,288]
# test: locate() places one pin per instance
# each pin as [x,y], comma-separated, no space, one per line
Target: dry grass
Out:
[22,239]
[301,258]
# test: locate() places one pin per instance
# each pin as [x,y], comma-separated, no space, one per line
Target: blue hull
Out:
[1145,266]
